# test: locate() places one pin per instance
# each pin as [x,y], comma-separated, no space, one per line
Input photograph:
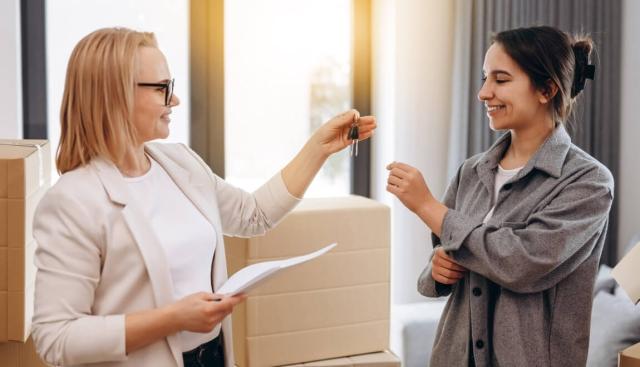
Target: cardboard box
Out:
[380,359]
[25,175]
[630,357]
[20,355]
[626,273]
[333,306]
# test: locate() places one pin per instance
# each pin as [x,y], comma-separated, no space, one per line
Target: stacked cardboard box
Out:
[25,175]
[626,274]
[380,359]
[334,306]
[20,355]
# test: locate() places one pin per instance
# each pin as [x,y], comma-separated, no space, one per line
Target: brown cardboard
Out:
[331,307]
[19,355]
[299,311]
[626,273]
[630,357]
[20,214]
[25,175]
[20,312]
[21,172]
[315,344]
[380,359]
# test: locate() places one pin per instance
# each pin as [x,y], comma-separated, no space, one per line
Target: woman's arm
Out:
[199,312]
[252,214]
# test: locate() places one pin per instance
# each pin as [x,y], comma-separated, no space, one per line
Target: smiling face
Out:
[150,115]
[511,100]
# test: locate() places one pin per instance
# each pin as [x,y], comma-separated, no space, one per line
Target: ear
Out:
[545,95]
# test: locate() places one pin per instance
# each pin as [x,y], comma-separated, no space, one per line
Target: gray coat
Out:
[526,300]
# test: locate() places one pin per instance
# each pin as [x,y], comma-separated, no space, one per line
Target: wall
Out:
[10,70]
[413,55]
[628,185]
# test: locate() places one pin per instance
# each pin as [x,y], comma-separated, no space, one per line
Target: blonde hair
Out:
[97,105]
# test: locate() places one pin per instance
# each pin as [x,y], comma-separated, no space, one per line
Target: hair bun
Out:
[581,50]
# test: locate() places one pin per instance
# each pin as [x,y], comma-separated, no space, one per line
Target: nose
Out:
[485,93]
[174,100]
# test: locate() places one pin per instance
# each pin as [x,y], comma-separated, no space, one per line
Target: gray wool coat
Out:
[526,300]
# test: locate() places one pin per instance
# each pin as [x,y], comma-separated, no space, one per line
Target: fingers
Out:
[445,278]
[442,259]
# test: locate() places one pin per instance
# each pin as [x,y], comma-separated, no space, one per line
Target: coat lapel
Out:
[147,241]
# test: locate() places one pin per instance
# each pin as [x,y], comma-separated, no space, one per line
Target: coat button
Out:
[479,344]
[477,291]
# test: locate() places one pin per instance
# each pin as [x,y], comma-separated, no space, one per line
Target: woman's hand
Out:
[408,185]
[201,312]
[444,270]
[333,135]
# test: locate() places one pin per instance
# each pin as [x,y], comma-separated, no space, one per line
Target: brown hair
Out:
[547,54]
[97,104]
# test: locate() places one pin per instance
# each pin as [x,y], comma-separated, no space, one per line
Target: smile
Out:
[495,108]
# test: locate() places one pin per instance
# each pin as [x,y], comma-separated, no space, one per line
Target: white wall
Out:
[413,55]
[10,71]
[628,185]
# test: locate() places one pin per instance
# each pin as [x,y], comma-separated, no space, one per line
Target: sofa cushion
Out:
[604,281]
[615,325]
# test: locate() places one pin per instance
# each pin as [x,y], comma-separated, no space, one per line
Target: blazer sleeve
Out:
[427,286]
[534,255]
[68,261]
[249,214]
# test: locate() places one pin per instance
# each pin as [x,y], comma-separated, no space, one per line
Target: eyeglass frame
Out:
[167,86]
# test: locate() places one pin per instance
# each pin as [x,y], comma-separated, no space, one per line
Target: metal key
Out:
[354,136]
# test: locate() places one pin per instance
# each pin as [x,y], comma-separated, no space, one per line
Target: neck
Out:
[135,162]
[525,142]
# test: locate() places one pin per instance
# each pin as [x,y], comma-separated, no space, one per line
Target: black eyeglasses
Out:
[167,86]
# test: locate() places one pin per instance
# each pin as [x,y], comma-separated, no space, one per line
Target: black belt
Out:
[209,354]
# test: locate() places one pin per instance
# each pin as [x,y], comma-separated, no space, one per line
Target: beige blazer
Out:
[99,259]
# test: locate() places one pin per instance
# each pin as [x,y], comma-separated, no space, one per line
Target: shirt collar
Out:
[548,158]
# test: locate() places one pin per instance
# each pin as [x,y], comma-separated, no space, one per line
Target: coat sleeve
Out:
[427,286]
[68,261]
[250,214]
[536,254]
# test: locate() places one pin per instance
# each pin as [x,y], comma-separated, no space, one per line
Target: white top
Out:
[189,249]
[502,176]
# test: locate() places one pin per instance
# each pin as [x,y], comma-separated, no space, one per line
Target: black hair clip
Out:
[582,73]
[589,71]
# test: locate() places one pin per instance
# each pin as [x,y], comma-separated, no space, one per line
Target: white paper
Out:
[251,276]
[626,273]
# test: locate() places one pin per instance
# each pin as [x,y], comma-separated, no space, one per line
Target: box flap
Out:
[630,357]
[626,273]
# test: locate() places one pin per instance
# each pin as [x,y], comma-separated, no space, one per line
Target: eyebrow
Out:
[495,72]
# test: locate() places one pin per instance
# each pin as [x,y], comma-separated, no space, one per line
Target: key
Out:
[354,135]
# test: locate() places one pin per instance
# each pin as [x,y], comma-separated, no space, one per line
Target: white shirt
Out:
[502,176]
[189,250]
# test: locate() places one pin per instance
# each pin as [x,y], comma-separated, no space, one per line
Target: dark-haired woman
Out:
[519,234]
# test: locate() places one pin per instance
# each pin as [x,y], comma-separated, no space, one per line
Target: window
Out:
[287,69]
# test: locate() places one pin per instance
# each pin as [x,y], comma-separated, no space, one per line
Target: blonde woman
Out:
[130,247]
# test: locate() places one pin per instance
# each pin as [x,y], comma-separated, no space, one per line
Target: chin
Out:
[497,126]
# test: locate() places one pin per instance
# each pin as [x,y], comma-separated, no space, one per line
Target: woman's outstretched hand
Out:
[333,135]
[408,185]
